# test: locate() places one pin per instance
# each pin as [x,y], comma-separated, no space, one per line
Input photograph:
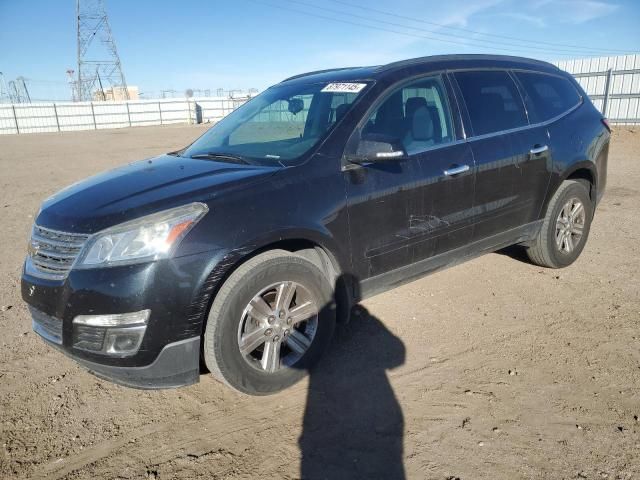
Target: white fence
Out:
[613,83]
[68,116]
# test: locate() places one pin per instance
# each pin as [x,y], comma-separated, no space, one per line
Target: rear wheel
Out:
[270,322]
[565,228]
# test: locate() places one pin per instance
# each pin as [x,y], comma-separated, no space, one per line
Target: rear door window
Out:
[492,100]
[547,96]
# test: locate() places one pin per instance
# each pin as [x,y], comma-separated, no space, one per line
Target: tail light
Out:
[605,122]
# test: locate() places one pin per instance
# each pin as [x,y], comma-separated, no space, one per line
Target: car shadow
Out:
[516,252]
[353,424]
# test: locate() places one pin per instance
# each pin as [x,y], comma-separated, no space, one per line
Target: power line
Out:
[466,30]
[490,43]
[415,35]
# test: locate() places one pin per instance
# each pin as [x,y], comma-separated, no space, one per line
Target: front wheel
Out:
[565,228]
[269,323]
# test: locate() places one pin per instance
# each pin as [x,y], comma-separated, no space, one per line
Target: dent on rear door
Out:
[448,217]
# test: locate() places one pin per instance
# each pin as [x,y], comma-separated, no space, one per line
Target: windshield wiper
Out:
[225,157]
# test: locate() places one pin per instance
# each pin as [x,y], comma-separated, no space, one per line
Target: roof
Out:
[436,62]
[336,74]
[460,61]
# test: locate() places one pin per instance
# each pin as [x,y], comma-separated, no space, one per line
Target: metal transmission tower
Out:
[15,91]
[98,61]
[73,84]
[23,91]
[4,90]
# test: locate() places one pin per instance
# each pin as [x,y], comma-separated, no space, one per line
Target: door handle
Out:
[538,149]
[456,170]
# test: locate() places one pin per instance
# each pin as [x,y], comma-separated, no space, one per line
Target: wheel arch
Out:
[584,170]
[322,251]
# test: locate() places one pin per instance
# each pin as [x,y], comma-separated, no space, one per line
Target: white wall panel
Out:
[624,85]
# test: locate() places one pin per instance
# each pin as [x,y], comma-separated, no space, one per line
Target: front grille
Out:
[52,252]
[46,326]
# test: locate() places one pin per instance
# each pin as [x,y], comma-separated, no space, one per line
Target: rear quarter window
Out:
[492,100]
[547,96]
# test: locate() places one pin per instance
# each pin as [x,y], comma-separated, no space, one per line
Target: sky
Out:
[241,44]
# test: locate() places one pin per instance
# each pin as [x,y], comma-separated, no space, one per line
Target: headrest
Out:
[422,127]
[413,103]
[437,125]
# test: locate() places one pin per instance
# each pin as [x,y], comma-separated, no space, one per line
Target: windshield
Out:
[279,125]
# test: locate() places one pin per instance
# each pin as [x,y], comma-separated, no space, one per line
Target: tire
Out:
[549,249]
[233,322]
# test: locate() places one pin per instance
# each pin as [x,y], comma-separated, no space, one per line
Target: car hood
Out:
[142,188]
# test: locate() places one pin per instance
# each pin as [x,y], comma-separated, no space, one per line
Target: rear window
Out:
[492,100]
[547,96]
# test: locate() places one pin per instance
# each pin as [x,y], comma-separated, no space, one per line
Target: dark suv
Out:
[244,248]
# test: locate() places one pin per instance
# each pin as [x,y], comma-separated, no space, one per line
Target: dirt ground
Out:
[493,369]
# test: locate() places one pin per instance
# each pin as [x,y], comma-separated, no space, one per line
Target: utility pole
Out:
[98,59]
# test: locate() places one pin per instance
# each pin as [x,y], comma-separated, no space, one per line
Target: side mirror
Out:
[374,147]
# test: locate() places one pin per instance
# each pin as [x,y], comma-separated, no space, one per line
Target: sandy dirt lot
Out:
[492,369]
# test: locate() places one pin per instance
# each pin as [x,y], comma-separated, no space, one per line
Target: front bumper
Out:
[177,365]
[169,355]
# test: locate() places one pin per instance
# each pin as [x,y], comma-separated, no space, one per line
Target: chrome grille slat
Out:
[57,255]
[58,233]
[56,242]
[51,265]
[52,253]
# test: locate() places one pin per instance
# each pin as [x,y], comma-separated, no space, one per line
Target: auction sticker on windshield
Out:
[344,87]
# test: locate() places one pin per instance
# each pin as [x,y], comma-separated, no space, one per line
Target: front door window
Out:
[417,115]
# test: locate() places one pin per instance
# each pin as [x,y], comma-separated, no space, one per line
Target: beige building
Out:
[116,93]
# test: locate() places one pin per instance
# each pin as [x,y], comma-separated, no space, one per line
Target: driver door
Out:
[402,211]
[381,197]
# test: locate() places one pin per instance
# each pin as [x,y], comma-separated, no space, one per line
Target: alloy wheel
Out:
[278,326]
[570,225]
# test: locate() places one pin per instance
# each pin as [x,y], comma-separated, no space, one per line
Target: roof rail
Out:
[435,58]
[315,72]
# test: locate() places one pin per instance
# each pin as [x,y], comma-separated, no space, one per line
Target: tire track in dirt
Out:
[197,434]
[511,371]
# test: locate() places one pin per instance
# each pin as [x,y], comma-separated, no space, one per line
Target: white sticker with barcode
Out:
[344,87]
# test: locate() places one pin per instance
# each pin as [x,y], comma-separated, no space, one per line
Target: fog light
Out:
[116,335]
[123,342]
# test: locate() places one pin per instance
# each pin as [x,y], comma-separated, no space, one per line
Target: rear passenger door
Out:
[513,164]
[549,99]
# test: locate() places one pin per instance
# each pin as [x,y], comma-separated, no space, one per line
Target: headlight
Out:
[144,239]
